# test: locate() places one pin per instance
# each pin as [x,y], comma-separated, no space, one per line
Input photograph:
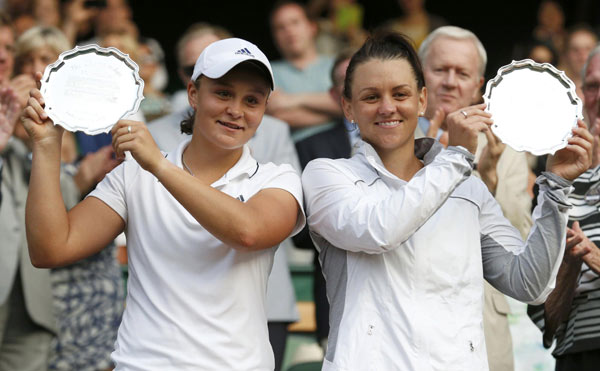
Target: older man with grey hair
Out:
[571,314]
[454,62]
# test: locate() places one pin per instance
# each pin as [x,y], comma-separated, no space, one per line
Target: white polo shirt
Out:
[193,303]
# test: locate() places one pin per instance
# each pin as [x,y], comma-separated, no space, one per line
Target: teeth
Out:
[233,126]
[389,123]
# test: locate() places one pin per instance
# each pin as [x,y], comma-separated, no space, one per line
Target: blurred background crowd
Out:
[77,308]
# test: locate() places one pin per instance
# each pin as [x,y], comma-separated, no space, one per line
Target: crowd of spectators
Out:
[67,318]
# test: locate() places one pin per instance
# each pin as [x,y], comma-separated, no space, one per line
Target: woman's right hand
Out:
[39,126]
[465,125]
[134,136]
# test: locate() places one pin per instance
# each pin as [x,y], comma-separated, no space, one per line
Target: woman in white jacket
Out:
[406,235]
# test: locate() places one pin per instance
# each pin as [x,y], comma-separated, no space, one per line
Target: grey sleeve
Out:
[526,271]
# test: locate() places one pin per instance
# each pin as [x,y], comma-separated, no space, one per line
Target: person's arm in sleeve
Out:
[301,117]
[303,109]
[527,271]
[348,218]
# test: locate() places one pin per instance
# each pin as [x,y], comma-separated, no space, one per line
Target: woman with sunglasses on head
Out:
[202,222]
[406,235]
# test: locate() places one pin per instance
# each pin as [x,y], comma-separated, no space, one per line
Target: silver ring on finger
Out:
[464,114]
[129,129]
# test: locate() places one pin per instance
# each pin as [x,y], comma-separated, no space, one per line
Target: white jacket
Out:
[405,261]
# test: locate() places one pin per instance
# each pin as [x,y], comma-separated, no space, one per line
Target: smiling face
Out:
[385,103]
[451,69]
[229,109]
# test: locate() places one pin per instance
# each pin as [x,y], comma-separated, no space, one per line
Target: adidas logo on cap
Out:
[245,51]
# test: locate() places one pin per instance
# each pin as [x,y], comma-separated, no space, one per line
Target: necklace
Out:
[185,166]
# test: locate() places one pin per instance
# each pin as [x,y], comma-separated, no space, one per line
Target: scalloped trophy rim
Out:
[541,67]
[92,48]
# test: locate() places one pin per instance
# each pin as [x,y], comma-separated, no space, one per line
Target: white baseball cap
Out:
[221,56]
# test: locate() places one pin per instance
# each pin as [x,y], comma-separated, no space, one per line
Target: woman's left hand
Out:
[576,157]
[133,136]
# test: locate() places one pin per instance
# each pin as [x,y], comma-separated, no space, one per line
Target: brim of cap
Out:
[221,69]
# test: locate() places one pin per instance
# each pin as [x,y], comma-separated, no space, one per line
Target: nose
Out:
[234,109]
[450,78]
[386,107]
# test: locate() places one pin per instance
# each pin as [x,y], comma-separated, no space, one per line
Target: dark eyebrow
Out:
[394,88]
[259,91]
[367,88]
[222,83]
[229,85]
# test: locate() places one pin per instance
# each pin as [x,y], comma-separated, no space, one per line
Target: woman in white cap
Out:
[202,222]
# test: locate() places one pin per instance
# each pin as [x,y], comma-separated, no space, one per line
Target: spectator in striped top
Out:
[571,314]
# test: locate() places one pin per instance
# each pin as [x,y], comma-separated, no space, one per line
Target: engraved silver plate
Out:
[90,88]
[534,106]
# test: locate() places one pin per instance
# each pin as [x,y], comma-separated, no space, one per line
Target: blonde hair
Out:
[40,37]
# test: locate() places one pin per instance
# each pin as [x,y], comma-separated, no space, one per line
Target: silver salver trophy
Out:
[534,106]
[90,88]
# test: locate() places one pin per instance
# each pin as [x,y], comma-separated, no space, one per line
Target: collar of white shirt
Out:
[426,149]
[246,165]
